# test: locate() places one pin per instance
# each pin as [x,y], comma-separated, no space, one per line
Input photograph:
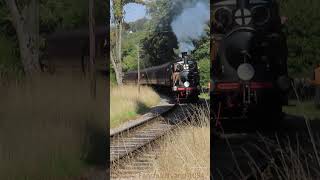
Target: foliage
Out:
[153,36]
[305,108]
[204,65]
[130,50]
[303,35]
[202,55]
[9,62]
[160,43]
[118,5]
[54,15]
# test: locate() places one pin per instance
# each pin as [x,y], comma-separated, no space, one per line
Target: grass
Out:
[306,108]
[126,103]
[291,156]
[293,159]
[185,153]
[50,128]
[204,96]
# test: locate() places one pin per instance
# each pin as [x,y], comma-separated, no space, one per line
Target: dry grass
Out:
[288,160]
[186,151]
[126,103]
[50,128]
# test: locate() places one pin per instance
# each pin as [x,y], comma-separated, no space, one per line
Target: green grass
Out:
[307,109]
[127,104]
[204,96]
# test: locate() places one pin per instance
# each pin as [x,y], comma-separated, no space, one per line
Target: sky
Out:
[134,12]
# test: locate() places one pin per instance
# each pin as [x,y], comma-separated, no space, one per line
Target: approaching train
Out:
[249,66]
[181,78]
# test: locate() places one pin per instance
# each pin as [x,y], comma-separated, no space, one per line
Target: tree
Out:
[92,48]
[25,20]
[116,52]
[159,45]
[303,37]
[202,55]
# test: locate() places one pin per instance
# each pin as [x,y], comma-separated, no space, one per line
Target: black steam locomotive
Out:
[180,77]
[249,66]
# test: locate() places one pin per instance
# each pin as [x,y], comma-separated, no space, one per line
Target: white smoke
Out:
[190,24]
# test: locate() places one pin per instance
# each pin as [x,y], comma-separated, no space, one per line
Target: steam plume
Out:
[189,25]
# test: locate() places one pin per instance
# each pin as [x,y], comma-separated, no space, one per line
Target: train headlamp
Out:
[186,66]
[245,71]
[186,84]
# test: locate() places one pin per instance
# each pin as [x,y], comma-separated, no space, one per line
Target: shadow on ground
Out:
[141,107]
[95,149]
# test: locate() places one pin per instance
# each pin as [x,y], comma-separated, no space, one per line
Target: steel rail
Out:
[137,136]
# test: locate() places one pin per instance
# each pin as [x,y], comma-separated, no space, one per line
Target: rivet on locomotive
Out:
[249,59]
[180,78]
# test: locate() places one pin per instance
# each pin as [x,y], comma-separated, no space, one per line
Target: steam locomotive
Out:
[181,78]
[249,66]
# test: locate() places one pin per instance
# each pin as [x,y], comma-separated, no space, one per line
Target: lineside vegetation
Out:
[50,128]
[126,103]
[185,153]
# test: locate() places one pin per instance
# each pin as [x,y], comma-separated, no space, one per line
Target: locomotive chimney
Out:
[184,57]
[184,54]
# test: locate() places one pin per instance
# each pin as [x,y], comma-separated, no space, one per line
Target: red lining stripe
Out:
[228,86]
[235,85]
[185,89]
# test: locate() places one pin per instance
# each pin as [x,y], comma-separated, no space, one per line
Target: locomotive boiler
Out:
[249,58]
[180,78]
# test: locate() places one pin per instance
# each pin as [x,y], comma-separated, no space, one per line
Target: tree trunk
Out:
[92,49]
[26,24]
[119,56]
[117,59]
[117,69]
[119,41]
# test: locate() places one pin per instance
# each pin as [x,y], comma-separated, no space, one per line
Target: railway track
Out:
[130,140]
[132,150]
